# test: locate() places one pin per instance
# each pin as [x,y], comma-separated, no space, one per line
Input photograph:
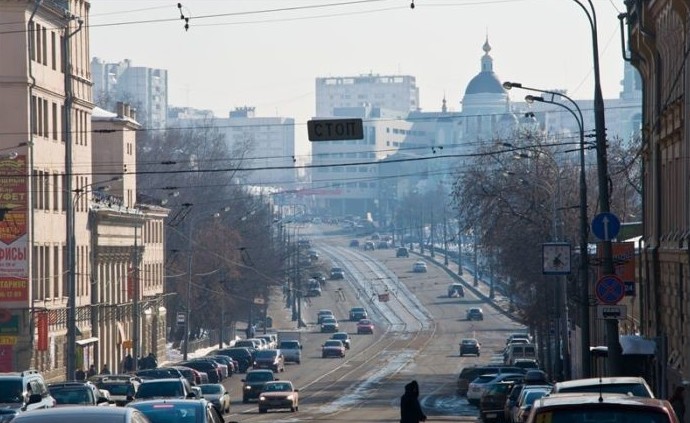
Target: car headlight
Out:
[262,398]
[247,387]
[290,397]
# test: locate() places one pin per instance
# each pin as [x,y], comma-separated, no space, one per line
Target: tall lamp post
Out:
[584,227]
[613,343]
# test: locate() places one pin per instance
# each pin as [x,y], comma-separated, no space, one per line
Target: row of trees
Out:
[223,247]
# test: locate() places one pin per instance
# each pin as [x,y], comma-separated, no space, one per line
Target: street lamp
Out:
[584,227]
[71,367]
[613,343]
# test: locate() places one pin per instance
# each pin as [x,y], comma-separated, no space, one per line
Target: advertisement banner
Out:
[14,272]
[623,261]
[42,326]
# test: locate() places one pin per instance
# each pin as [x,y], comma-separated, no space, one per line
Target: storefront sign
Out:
[42,326]
[14,290]
[10,327]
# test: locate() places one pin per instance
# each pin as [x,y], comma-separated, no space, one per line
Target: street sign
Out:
[629,288]
[609,289]
[555,258]
[606,226]
[181,318]
[612,312]
[335,129]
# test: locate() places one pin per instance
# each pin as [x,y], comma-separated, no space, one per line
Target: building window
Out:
[56,273]
[37,37]
[55,121]
[56,191]
[46,128]
[53,51]
[46,191]
[44,39]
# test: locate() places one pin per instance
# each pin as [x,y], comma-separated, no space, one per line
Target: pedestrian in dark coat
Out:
[92,371]
[677,401]
[410,409]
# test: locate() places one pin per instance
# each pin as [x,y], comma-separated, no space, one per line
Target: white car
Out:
[419,267]
[480,384]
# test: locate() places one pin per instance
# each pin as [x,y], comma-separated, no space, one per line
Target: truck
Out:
[289,343]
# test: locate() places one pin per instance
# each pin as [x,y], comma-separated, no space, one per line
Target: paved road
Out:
[417,336]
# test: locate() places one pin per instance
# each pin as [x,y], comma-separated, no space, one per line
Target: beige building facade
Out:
[658,34]
[45,85]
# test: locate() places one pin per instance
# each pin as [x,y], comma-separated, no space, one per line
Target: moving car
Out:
[358,313]
[242,355]
[216,394]
[269,359]
[121,390]
[178,411]
[337,273]
[482,383]
[419,267]
[469,346]
[369,246]
[354,243]
[253,383]
[82,414]
[525,401]
[292,351]
[492,402]
[344,337]
[329,324]
[24,391]
[333,348]
[322,314]
[468,374]
[402,252]
[277,395]
[164,388]
[77,393]
[456,290]
[475,313]
[365,326]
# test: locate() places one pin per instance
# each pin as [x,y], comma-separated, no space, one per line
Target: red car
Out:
[365,326]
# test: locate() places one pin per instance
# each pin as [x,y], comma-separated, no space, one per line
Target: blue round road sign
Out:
[606,226]
[609,289]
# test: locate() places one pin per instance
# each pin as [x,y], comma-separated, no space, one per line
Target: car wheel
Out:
[245,400]
[298,362]
[461,354]
[262,410]
[323,355]
[293,409]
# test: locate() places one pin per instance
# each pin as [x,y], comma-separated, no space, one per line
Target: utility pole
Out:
[136,319]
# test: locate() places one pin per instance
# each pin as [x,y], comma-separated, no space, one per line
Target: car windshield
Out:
[333,344]
[533,395]
[484,379]
[265,354]
[328,320]
[276,387]
[259,376]
[240,353]
[468,342]
[365,322]
[160,389]
[336,270]
[11,392]
[117,388]
[357,309]
[211,389]
[340,336]
[72,395]
[289,345]
[170,413]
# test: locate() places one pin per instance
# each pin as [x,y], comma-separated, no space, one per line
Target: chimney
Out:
[126,110]
[120,109]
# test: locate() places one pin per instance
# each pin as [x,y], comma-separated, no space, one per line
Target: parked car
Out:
[354,243]
[164,411]
[634,385]
[519,351]
[216,394]
[82,414]
[77,393]
[492,402]
[313,288]
[468,374]
[365,326]
[271,340]
[479,385]
[475,313]
[193,376]
[209,367]
[470,346]
[456,290]
[337,273]
[160,373]
[369,246]
[24,391]
[277,395]
[419,267]
[242,355]
[358,313]
[164,388]
[601,407]
[402,252]
[313,255]
[253,383]
[344,337]
[121,391]
[526,363]
[525,401]
[318,276]
[329,324]
[220,368]
[333,348]
[269,359]
[292,351]
[383,245]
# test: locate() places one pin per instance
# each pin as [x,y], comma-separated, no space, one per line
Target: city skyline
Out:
[280,58]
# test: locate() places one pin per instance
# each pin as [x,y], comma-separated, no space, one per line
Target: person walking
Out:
[129,363]
[410,409]
[105,370]
[677,401]
[80,375]
[91,371]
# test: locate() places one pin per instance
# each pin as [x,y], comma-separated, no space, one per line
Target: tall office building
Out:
[145,89]
[392,92]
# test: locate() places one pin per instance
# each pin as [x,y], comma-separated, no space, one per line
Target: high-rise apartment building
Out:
[145,89]
[392,92]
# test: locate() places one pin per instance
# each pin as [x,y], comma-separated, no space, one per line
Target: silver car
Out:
[292,351]
[82,414]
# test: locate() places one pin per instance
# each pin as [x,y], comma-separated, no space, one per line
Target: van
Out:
[515,351]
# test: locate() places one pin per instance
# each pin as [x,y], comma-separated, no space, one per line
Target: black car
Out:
[254,383]
[358,313]
[160,373]
[76,393]
[243,356]
[204,366]
[197,411]
[402,252]
[469,346]
[354,243]
[337,273]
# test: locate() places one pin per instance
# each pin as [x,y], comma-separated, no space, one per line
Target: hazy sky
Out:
[267,53]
